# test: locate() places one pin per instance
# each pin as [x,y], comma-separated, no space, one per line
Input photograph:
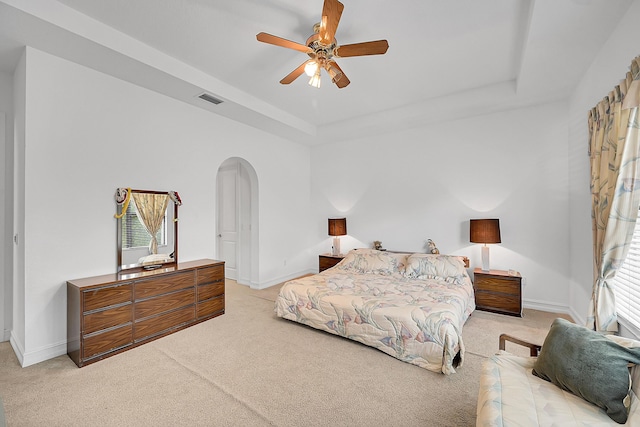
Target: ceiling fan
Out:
[323,48]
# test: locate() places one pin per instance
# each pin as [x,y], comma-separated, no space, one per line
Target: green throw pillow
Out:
[589,365]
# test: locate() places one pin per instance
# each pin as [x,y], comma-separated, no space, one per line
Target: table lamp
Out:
[484,231]
[337,227]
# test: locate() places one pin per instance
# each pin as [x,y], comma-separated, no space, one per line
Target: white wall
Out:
[87,133]
[18,285]
[3,291]
[606,71]
[427,182]
[6,197]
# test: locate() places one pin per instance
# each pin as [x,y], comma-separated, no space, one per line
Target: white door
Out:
[228,217]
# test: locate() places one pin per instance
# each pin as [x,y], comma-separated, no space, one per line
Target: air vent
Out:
[210,98]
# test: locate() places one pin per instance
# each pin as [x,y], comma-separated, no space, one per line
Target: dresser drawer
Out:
[211,306]
[164,303]
[498,302]
[497,284]
[106,341]
[210,290]
[107,318]
[164,284]
[164,322]
[103,297]
[211,274]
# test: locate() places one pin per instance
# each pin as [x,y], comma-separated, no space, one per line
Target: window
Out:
[627,285]
[135,235]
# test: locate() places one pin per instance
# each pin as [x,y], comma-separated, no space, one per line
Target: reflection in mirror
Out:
[147,229]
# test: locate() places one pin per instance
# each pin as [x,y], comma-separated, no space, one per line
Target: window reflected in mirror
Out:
[135,234]
[147,228]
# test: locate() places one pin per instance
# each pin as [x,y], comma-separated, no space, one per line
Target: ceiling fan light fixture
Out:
[322,47]
[334,73]
[310,68]
[315,80]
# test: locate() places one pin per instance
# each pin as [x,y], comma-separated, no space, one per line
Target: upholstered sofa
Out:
[512,395]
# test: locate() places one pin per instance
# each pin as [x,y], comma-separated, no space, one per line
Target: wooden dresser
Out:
[113,313]
[498,291]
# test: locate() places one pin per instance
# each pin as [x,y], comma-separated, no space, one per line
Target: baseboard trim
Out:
[31,358]
[580,320]
[268,284]
[547,306]
[17,348]
[245,283]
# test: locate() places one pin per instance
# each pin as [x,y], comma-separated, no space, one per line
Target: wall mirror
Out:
[147,228]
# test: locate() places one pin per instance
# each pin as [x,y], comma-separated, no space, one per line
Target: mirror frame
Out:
[138,267]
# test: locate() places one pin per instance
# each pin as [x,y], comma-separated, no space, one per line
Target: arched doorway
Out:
[237,225]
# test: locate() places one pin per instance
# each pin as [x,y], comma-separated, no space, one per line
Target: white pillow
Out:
[369,261]
[150,259]
[435,265]
[401,260]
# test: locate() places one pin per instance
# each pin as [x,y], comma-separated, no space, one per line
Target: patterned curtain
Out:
[614,150]
[151,208]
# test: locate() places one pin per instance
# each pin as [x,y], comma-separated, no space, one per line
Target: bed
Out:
[410,306]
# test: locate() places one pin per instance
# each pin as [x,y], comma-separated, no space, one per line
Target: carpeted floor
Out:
[249,368]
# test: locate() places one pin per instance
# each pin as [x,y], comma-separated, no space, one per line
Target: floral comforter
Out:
[388,305]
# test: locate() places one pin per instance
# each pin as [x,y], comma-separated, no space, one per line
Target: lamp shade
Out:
[337,226]
[484,231]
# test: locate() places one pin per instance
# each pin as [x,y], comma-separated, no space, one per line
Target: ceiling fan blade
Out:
[279,41]
[331,13]
[294,74]
[343,81]
[377,47]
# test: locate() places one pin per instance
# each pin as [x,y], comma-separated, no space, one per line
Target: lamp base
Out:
[485,258]
[335,249]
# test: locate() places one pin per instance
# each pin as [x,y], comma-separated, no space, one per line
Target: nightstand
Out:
[328,261]
[498,291]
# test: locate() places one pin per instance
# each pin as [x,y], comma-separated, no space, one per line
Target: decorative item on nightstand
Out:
[484,231]
[337,227]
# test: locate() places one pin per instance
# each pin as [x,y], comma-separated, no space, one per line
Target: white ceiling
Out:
[445,58]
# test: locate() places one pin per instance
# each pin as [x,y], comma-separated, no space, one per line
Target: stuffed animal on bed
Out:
[431,247]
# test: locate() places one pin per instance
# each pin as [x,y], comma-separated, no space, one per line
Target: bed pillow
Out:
[434,265]
[401,259]
[369,261]
[589,365]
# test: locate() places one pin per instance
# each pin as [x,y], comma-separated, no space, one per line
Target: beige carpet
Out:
[249,368]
